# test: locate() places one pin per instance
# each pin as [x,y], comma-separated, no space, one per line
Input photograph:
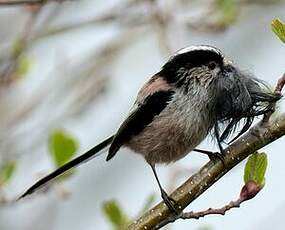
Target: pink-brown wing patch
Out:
[152,86]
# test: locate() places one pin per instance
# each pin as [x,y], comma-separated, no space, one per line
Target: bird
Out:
[197,92]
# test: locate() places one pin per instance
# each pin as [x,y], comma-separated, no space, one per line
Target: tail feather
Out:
[66,167]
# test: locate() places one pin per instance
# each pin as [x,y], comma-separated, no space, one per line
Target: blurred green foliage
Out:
[148,203]
[278,27]
[23,66]
[6,172]
[18,47]
[62,147]
[228,10]
[118,217]
[115,214]
[205,228]
[255,168]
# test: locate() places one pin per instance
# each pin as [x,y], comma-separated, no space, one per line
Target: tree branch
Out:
[257,137]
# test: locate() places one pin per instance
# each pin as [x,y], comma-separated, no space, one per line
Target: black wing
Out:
[139,119]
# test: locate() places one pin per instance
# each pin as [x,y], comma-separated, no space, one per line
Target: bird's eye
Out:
[212,65]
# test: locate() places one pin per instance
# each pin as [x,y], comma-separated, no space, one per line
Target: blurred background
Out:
[69,73]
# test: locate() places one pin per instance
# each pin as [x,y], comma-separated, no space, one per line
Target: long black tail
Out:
[71,164]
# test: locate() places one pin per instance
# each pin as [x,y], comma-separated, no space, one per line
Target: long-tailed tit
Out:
[196,93]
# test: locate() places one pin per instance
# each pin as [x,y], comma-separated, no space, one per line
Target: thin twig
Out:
[213,211]
[116,14]
[7,75]
[198,215]
[280,84]
[27,2]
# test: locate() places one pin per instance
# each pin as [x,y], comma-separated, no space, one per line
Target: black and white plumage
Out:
[197,91]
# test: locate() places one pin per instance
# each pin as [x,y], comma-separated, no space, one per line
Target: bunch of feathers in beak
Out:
[240,98]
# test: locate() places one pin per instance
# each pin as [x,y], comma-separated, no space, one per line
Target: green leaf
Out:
[7,171]
[18,47]
[205,228]
[278,27]
[23,66]
[62,147]
[115,214]
[228,10]
[255,168]
[149,202]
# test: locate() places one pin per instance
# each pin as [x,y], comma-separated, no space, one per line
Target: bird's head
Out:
[235,95]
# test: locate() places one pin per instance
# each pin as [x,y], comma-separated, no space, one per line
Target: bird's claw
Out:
[213,156]
[170,203]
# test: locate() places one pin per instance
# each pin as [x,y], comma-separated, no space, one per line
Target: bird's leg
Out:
[212,155]
[215,155]
[171,203]
[218,138]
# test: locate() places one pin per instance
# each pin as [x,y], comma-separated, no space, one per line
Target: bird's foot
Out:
[213,156]
[170,203]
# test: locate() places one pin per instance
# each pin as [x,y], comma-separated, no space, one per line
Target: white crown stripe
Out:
[200,47]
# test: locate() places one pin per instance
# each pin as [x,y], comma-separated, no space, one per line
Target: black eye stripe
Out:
[188,60]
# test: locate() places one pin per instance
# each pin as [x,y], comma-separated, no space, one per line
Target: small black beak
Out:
[229,70]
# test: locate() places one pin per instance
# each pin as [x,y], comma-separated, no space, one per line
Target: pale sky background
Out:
[127,178]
